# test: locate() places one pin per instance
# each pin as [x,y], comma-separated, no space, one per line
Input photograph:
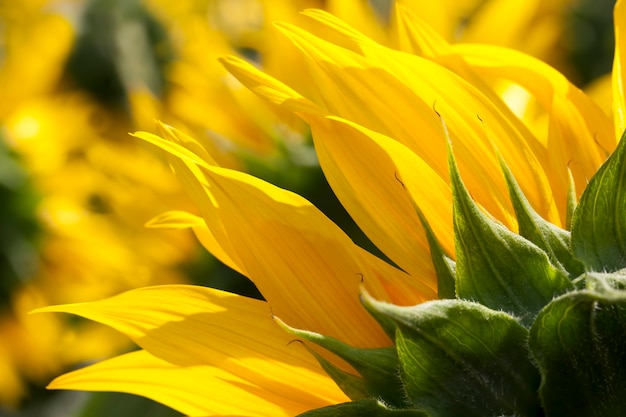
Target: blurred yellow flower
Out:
[374,115]
[85,190]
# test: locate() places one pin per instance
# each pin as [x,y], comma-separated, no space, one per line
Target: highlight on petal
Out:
[206,351]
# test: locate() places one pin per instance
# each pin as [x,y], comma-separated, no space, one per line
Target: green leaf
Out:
[496,267]
[378,367]
[554,241]
[599,221]
[365,408]
[459,358]
[578,343]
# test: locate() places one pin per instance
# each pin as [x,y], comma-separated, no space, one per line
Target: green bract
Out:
[527,324]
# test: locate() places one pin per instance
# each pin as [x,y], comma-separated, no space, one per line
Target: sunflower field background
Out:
[76,190]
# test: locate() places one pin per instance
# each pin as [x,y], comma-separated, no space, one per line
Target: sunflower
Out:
[471,201]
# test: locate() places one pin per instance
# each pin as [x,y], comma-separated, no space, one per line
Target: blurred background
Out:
[76,190]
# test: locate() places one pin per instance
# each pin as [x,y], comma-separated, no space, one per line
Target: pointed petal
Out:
[413,36]
[376,186]
[186,163]
[579,135]
[214,339]
[267,87]
[302,263]
[183,220]
[448,18]
[350,86]
[197,390]
[361,15]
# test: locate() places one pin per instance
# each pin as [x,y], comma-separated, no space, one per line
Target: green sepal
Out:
[388,324]
[378,367]
[369,408]
[578,344]
[554,241]
[496,267]
[445,267]
[351,385]
[599,222]
[459,358]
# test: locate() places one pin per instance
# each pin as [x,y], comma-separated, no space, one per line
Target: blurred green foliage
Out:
[18,225]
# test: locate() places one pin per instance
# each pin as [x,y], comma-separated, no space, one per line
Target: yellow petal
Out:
[183,220]
[214,350]
[302,263]
[619,70]
[198,390]
[579,136]
[361,15]
[347,82]
[175,219]
[509,19]
[171,147]
[413,37]
[376,185]
[399,287]
[448,18]
[185,162]
[265,86]
[352,87]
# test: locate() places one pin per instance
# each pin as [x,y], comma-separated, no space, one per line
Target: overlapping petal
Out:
[273,228]
[379,180]
[183,220]
[579,135]
[207,352]
[347,79]
[368,181]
